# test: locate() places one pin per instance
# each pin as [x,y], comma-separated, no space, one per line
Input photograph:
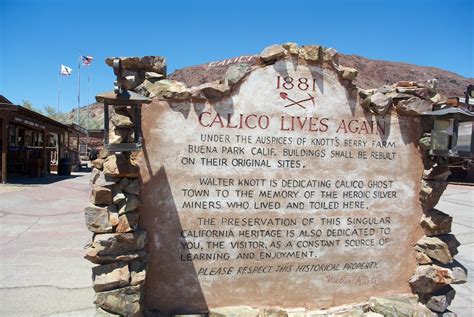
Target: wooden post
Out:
[4,149]
[45,155]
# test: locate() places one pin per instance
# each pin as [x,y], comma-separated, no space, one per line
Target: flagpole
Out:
[88,96]
[59,88]
[78,88]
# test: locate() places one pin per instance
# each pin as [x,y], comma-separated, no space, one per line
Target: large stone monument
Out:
[280,185]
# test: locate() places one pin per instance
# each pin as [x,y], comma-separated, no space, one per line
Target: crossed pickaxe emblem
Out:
[284,96]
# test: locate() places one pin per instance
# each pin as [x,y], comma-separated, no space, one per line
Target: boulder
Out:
[120,135]
[395,306]
[425,143]
[430,192]
[438,172]
[291,48]
[241,311]
[311,53]
[131,203]
[164,89]
[214,91]
[98,178]
[428,279]
[348,73]
[138,272]
[110,276]
[98,218]
[121,121]
[272,53]
[441,248]
[103,153]
[118,165]
[155,64]
[440,300]
[124,301]
[414,106]
[330,54]
[380,103]
[423,93]
[116,243]
[101,195]
[128,222]
[98,163]
[235,73]
[133,187]
[117,196]
[435,222]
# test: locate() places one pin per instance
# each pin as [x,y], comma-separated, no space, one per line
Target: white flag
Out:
[65,71]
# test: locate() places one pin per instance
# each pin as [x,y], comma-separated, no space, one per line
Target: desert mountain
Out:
[372,74]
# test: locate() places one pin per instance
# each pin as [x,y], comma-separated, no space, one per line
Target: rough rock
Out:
[420,92]
[130,204]
[458,272]
[124,301]
[348,73]
[119,166]
[272,53]
[291,48]
[166,89]
[98,163]
[423,259]
[101,195]
[121,121]
[394,306]
[155,64]
[431,192]
[104,259]
[311,52]
[241,311]
[429,278]
[133,187]
[380,103]
[414,106]
[120,135]
[372,314]
[213,91]
[438,172]
[440,300]
[117,196]
[123,183]
[330,54]
[98,218]
[128,222]
[441,248]
[99,312]
[137,272]
[154,76]
[110,276]
[235,73]
[116,243]
[103,153]
[425,143]
[435,222]
[423,311]
[98,178]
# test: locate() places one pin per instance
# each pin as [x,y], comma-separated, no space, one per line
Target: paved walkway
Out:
[42,234]
[458,201]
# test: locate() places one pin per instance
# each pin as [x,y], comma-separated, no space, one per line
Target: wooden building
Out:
[32,144]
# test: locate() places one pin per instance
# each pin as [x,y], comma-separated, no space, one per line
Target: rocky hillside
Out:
[372,74]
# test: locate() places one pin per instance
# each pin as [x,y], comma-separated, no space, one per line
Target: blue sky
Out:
[37,36]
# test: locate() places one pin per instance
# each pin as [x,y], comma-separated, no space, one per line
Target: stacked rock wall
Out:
[118,245]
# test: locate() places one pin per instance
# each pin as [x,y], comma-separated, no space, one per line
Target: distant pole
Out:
[59,88]
[78,89]
[88,96]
